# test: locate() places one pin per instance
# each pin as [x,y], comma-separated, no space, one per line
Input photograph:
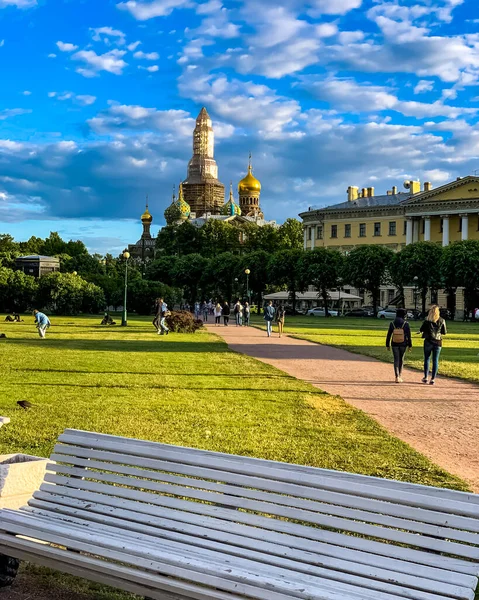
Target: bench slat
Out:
[151,504]
[332,522]
[99,460]
[347,478]
[386,582]
[205,529]
[270,579]
[186,455]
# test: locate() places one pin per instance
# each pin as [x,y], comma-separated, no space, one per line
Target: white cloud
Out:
[325,30]
[333,7]
[133,46]
[146,55]
[111,61]
[18,3]
[103,34]
[26,93]
[85,99]
[7,113]
[212,6]
[80,99]
[152,69]
[423,85]
[2,43]
[66,47]
[52,55]
[142,11]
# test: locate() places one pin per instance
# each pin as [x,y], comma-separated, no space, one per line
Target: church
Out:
[201,196]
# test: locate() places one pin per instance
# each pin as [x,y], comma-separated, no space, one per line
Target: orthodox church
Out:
[201,196]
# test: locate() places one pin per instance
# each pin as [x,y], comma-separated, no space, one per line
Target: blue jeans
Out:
[435,351]
[269,327]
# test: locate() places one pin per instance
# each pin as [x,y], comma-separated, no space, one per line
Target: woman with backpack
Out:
[399,339]
[433,329]
[280,319]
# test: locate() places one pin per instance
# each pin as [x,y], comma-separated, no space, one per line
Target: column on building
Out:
[427,228]
[313,232]
[445,230]
[305,232]
[408,230]
[464,227]
[415,230]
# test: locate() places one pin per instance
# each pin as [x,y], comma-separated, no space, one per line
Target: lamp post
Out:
[340,283]
[126,256]
[247,273]
[236,286]
[415,295]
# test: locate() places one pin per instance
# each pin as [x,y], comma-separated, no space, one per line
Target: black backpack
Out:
[435,330]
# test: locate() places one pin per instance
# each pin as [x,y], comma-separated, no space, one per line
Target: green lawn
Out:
[459,357]
[188,390]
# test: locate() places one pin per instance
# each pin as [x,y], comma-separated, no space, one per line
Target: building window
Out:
[423,226]
[309,233]
[347,230]
[362,229]
[392,227]
[460,225]
[441,229]
[391,294]
[405,228]
[377,229]
[334,231]
[320,232]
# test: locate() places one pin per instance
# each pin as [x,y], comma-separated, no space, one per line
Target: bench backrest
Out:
[105,474]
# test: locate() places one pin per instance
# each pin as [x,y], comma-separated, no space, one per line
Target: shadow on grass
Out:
[116,345]
[162,374]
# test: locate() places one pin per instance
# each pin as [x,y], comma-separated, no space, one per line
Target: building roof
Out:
[370,201]
[311,296]
[37,257]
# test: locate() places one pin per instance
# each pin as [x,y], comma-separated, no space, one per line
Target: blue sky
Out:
[99,98]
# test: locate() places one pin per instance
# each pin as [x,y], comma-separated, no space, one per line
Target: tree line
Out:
[218,271]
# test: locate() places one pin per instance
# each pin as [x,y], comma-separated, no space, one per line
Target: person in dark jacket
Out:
[269,313]
[433,329]
[226,313]
[399,340]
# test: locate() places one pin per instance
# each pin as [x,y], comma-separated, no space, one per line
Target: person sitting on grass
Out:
[107,320]
[399,339]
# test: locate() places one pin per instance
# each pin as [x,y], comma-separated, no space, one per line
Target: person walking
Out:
[204,311]
[433,329]
[218,311]
[157,319]
[43,323]
[280,319]
[163,312]
[237,310]
[399,340]
[226,313]
[197,310]
[246,314]
[269,313]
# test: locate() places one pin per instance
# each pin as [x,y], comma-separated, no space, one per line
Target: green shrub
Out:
[183,322]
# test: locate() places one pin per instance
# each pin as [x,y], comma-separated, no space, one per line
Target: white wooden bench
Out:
[172,523]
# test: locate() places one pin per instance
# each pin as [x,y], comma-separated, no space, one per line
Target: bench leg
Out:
[8,570]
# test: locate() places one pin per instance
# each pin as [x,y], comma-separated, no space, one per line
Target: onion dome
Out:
[183,206]
[146,216]
[173,212]
[249,184]
[231,208]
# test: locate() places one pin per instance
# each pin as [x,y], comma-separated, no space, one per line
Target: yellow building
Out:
[443,215]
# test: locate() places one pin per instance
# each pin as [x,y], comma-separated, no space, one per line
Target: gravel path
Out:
[441,421]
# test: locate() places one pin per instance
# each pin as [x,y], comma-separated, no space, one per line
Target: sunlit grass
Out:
[188,390]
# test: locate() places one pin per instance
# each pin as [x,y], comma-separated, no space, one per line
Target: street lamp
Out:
[126,256]
[247,272]
[340,283]
[416,278]
[74,273]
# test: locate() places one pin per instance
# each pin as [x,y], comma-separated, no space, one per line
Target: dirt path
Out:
[440,421]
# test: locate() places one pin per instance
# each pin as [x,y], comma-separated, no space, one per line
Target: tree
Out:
[220,274]
[366,267]
[143,293]
[68,294]
[162,269]
[188,274]
[419,264]
[17,290]
[257,263]
[7,243]
[290,235]
[217,237]
[285,269]
[323,269]
[460,267]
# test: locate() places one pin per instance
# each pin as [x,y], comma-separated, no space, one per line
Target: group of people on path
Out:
[272,314]
[399,340]
[241,313]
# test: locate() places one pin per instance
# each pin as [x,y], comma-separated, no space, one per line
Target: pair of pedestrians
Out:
[399,340]
[161,312]
[272,314]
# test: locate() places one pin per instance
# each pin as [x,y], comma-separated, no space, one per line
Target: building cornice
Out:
[354,212]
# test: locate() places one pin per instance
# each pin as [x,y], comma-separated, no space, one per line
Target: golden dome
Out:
[249,183]
[146,216]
